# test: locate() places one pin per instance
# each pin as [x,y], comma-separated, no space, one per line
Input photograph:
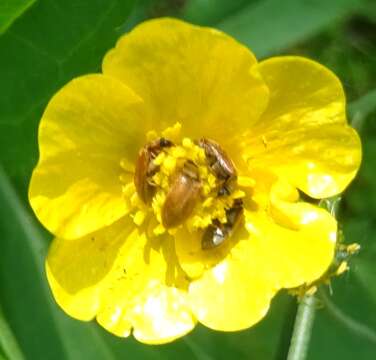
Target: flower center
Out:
[185,182]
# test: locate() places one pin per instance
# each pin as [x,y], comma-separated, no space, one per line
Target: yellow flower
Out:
[187,243]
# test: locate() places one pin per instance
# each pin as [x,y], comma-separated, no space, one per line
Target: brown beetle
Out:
[182,196]
[145,168]
[216,233]
[220,165]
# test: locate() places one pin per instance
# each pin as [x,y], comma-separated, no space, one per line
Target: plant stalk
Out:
[302,328]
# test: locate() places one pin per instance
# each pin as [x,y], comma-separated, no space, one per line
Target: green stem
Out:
[8,342]
[302,328]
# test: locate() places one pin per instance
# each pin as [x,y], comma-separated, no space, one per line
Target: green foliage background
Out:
[45,43]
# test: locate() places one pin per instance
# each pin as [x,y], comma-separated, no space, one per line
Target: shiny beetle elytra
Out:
[145,168]
[216,233]
[182,196]
[220,165]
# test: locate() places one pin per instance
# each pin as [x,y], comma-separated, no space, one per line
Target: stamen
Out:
[139,217]
[124,178]
[343,266]
[246,181]
[173,133]
[195,175]
[159,230]
[151,136]
[127,165]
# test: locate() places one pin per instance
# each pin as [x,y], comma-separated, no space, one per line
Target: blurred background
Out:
[45,43]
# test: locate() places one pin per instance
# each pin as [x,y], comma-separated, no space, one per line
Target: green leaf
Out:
[42,331]
[361,108]
[10,10]
[345,325]
[51,44]
[361,196]
[33,65]
[270,26]
[8,343]
[210,12]
[340,331]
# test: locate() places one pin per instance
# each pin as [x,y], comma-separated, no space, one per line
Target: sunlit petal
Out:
[88,127]
[303,135]
[195,75]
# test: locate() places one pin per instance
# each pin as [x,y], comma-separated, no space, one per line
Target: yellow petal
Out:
[124,279]
[147,292]
[76,270]
[197,76]
[285,245]
[303,134]
[157,313]
[293,243]
[88,127]
[192,258]
[229,297]
[302,91]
